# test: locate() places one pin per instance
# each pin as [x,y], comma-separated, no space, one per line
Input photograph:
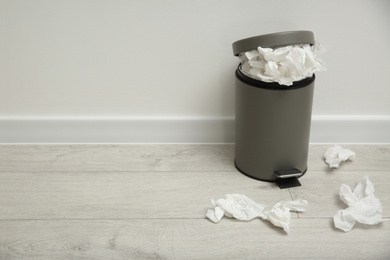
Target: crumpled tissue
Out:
[284,64]
[364,207]
[337,154]
[243,208]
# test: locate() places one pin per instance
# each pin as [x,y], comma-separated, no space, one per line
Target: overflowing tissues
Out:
[364,207]
[336,154]
[283,65]
[243,208]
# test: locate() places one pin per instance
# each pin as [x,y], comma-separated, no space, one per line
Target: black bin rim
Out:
[272,85]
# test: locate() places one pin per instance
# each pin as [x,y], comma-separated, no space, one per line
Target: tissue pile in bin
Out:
[283,65]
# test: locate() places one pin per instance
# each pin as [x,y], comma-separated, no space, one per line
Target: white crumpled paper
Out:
[243,208]
[284,64]
[337,154]
[364,207]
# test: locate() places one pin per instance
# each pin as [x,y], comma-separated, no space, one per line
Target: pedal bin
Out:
[272,121]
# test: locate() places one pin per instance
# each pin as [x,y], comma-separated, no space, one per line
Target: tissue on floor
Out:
[284,64]
[364,207]
[280,214]
[336,154]
[243,208]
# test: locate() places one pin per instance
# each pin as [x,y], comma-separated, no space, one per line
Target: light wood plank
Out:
[163,158]
[189,239]
[147,201]
[322,189]
[94,195]
[116,158]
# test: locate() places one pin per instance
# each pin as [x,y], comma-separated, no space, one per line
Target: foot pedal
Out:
[288,178]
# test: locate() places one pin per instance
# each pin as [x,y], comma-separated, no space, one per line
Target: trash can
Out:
[272,121]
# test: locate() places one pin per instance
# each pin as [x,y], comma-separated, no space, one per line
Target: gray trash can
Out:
[273,120]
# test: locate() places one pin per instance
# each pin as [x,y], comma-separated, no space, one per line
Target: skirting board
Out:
[324,129]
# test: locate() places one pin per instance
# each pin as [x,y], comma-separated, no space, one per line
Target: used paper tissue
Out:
[243,208]
[336,154]
[283,65]
[364,207]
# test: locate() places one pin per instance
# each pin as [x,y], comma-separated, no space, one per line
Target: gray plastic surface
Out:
[273,40]
[272,129]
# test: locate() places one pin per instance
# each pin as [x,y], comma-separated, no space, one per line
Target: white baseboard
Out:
[350,129]
[117,130]
[325,129]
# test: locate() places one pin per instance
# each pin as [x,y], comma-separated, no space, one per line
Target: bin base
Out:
[276,180]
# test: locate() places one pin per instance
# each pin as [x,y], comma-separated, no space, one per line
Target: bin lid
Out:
[273,40]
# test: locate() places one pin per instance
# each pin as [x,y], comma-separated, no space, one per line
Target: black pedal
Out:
[288,182]
[288,178]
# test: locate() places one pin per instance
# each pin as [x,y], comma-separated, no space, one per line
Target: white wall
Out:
[145,59]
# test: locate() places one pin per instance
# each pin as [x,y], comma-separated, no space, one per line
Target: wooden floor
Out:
[149,202]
